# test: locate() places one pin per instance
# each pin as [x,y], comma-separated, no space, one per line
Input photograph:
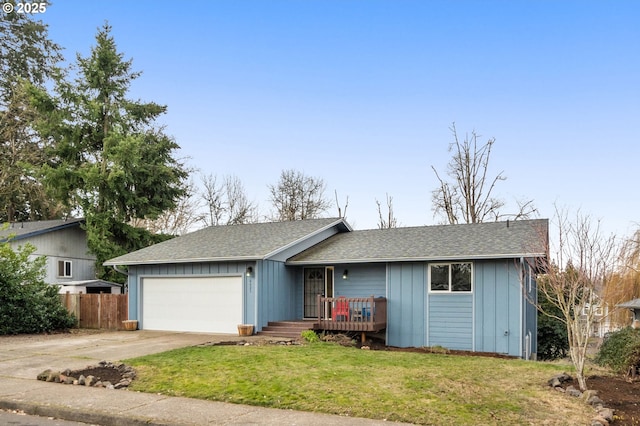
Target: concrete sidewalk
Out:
[21,361]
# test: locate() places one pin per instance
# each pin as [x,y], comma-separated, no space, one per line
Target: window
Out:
[450,277]
[64,268]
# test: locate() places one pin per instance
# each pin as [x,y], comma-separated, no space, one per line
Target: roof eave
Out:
[115,262]
[299,240]
[413,259]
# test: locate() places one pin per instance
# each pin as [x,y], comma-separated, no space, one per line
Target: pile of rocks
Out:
[604,416]
[104,375]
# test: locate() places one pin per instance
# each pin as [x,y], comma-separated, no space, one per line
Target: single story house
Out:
[466,287]
[64,243]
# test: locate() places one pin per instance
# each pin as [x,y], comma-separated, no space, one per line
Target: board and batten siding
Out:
[275,293]
[494,317]
[64,244]
[199,269]
[499,302]
[406,297]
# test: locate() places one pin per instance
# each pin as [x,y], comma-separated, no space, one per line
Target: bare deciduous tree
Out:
[297,196]
[626,286]
[469,197]
[226,203]
[177,221]
[342,213]
[579,264]
[389,220]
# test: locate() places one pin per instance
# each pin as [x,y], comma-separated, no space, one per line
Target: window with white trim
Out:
[64,268]
[450,277]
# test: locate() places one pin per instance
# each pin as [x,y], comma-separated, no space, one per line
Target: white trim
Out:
[450,291]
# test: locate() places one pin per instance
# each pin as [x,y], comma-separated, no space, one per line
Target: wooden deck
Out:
[351,314]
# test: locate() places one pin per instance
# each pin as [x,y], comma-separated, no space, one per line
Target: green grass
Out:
[397,386]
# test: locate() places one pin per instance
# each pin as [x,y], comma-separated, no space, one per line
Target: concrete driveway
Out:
[25,356]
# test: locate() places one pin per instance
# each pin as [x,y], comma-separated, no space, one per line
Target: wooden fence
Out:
[105,311]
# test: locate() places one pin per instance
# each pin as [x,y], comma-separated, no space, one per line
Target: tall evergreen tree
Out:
[27,57]
[108,161]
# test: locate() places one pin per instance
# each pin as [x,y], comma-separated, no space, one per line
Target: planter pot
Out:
[130,325]
[245,329]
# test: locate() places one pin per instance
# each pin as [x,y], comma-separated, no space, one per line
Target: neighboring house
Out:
[464,287]
[601,321]
[634,307]
[64,243]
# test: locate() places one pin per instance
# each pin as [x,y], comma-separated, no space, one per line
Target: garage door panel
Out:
[199,304]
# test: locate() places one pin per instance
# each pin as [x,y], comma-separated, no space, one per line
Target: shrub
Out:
[27,303]
[310,336]
[620,350]
[553,342]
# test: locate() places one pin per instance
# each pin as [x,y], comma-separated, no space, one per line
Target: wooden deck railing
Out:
[351,313]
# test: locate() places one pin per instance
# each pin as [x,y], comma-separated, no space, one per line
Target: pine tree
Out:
[108,161]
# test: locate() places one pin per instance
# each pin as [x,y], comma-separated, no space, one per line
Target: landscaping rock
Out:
[606,413]
[105,374]
[573,391]
[599,421]
[43,376]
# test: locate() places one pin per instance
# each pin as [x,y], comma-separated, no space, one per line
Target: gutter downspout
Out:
[125,287]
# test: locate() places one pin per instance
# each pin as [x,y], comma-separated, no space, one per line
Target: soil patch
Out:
[102,374]
[620,395]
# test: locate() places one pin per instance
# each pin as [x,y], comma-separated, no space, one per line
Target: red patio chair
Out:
[341,309]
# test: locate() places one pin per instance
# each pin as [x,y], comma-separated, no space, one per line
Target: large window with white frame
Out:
[450,277]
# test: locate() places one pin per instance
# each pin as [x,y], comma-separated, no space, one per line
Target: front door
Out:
[317,281]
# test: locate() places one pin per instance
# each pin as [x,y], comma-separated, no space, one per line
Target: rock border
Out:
[65,377]
[604,415]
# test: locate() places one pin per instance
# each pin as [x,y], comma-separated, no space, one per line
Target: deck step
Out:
[290,329]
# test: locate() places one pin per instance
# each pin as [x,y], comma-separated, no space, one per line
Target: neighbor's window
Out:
[64,268]
[450,277]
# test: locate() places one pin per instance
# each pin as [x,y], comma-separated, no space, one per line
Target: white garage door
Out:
[202,304]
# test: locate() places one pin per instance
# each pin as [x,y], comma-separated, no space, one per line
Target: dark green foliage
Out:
[27,303]
[553,342]
[107,161]
[27,59]
[620,350]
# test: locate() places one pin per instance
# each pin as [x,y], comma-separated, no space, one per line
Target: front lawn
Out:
[397,386]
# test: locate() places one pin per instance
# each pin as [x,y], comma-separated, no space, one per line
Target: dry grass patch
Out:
[398,386]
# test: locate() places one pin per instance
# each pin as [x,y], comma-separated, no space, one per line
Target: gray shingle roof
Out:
[631,304]
[22,230]
[443,242]
[233,242]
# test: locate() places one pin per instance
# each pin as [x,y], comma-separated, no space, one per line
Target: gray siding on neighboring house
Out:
[136,272]
[65,244]
[275,293]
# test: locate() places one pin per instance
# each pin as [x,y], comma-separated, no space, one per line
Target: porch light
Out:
[345,274]
[249,271]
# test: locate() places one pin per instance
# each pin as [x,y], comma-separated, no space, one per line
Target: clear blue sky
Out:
[362,93]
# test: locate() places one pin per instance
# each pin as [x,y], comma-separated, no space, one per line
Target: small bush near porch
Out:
[397,386]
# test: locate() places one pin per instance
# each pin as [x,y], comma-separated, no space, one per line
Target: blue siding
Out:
[499,304]
[406,304]
[450,319]
[275,293]
[362,280]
